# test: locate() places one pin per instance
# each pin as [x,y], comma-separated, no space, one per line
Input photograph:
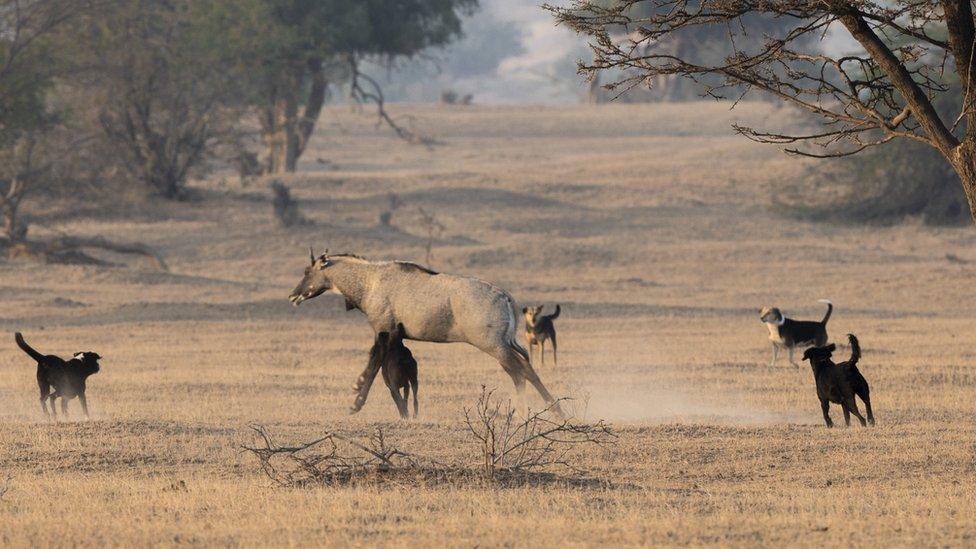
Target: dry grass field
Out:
[648,223]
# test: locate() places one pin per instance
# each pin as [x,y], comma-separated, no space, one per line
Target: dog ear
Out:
[525,310]
[80,355]
[831,348]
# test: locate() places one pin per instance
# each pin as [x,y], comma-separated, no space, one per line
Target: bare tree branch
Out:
[365,89]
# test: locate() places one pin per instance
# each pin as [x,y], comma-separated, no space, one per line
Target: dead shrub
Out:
[513,452]
[537,443]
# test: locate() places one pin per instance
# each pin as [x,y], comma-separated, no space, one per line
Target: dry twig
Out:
[512,445]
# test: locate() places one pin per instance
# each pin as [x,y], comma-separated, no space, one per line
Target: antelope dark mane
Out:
[354,256]
[410,266]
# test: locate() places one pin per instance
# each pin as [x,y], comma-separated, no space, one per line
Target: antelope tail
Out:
[27,348]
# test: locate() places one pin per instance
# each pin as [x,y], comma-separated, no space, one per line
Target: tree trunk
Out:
[963,160]
[285,134]
[10,229]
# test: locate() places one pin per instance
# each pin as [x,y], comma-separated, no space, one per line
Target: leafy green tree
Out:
[28,64]
[162,73]
[308,45]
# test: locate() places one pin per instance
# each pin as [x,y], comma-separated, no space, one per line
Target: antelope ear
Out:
[311,255]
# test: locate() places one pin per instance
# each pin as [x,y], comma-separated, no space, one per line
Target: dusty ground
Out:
[647,223]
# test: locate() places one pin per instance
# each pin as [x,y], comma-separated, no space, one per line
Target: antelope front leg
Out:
[364,382]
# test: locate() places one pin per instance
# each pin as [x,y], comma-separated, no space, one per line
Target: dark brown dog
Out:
[538,329]
[399,368]
[839,383]
[67,378]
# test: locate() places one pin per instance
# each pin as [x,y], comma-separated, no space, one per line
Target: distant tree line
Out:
[153,91]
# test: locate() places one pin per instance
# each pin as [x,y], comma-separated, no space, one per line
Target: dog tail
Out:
[27,348]
[830,309]
[855,349]
[554,315]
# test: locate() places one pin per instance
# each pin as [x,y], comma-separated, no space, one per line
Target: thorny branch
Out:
[509,446]
[330,458]
[863,99]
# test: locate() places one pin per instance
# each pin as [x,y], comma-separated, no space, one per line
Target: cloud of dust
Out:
[649,402]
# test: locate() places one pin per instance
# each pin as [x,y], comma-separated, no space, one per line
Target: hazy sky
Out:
[545,70]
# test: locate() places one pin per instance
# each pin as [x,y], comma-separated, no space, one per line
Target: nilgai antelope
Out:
[435,307]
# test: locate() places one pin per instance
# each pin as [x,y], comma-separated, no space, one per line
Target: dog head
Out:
[771,315]
[819,354]
[89,360]
[531,314]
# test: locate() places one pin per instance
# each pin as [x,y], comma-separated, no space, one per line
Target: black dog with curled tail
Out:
[839,383]
[57,377]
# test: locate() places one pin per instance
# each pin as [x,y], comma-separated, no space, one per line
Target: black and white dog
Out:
[794,334]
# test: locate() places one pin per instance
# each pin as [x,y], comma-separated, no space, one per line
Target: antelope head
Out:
[315,281]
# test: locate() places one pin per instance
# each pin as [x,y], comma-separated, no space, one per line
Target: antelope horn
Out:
[311,255]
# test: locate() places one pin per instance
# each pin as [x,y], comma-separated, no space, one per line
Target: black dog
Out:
[838,383]
[399,368]
[66,377]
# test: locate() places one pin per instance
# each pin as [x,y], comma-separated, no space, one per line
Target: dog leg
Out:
[775,355]
[793,362]
[44,404]
[847,415]
[866,397]
[542,352]
[825,406]
[54,410]
[84,405]
[64,407]
[853,407]
[555,361]
[400,403]
[45,390]
[406,399]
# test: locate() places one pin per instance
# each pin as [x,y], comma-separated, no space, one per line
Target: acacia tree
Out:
[885,91]
[308,45]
